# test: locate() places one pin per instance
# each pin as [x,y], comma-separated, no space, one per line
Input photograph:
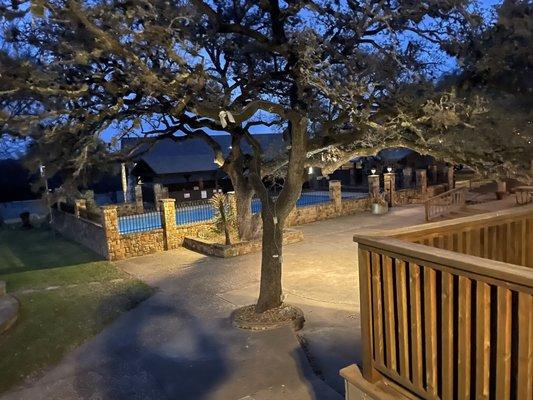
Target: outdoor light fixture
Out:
[373,171]
[310,170]
[389,169]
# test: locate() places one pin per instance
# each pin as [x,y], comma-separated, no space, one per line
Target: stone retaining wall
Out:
[85,232]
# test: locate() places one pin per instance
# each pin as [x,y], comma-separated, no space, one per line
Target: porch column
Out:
[433,174]
[421,180]
[139,198]
[335,194]
[450,177]
[158,195]
[373,184]
[389,184]
[407,177]
[124,179]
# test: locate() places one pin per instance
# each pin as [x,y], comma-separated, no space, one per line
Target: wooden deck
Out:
[447,308]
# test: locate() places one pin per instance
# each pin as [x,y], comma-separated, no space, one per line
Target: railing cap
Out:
[477,219]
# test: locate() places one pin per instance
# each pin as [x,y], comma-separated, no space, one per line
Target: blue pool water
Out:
[204,212]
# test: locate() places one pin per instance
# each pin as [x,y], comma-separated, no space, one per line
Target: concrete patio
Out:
[180,344]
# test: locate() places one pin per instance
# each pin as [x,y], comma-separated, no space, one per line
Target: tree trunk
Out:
[270,290]
[243,199]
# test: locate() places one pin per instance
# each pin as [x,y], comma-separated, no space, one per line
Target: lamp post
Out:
[42,170]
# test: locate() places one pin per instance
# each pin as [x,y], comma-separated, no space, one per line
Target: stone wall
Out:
[87,233]
[354,206]
[107,241]
[141,243]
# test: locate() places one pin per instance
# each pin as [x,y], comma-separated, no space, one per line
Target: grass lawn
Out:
[67,295]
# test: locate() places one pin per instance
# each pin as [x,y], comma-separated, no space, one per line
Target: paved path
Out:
[179,344]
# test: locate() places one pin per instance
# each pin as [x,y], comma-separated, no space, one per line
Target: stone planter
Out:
[379,209]
[236,249]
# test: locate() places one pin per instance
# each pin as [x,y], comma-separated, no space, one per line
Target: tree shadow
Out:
[161,351]
[39,248]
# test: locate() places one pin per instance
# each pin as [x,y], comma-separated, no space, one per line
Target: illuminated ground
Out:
[180,344]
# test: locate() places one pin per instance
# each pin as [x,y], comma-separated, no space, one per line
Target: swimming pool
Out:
[205,212]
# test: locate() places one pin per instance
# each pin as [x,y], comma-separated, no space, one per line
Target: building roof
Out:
[169,157]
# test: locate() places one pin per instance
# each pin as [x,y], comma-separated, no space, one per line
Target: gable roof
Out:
[169,157]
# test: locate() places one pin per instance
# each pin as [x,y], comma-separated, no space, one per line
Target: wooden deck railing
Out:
[445,203]
[440,322]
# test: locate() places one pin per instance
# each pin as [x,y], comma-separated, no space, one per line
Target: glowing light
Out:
[310,170]
[373,171]
[389,169]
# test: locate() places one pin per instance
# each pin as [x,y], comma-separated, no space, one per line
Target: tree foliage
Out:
[337,78]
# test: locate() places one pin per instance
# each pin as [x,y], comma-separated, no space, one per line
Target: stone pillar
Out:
[373,185]
[421,180]
[139,199]
[352,176]
[450,177]
[80,208]
[168,222]
[335,194]
[389,184]
[433,174]
[407,177]
[115,251]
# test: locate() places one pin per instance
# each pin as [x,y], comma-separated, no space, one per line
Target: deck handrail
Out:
[447,259]
[444,313]
[445,203]
[439,226]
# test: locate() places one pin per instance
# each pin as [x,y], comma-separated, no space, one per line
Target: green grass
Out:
[86,295]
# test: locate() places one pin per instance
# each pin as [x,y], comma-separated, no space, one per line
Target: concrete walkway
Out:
[179,344]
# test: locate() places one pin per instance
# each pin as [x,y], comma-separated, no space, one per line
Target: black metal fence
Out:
[149,220]
[194,211]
